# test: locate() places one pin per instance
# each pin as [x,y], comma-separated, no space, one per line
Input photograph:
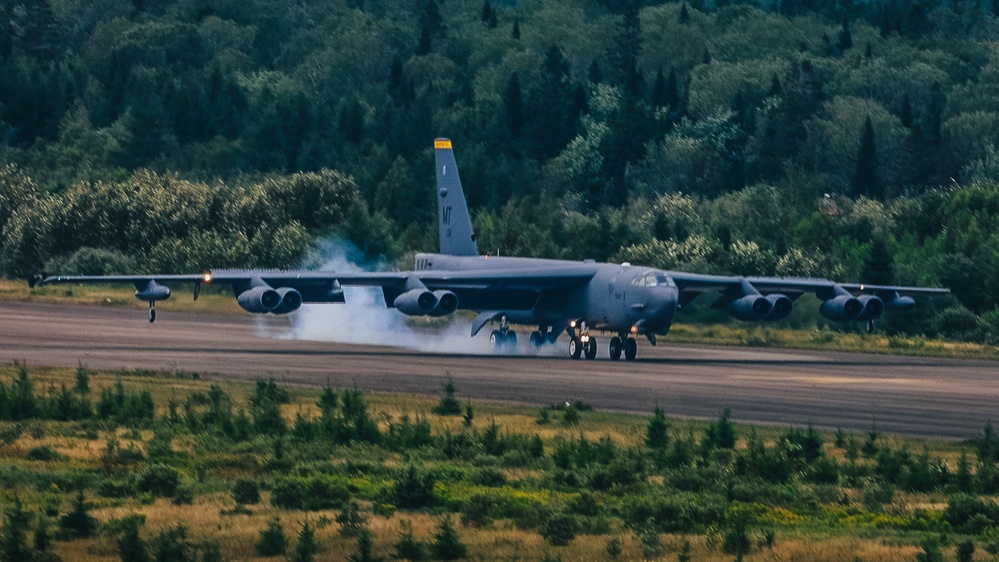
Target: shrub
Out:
[272,541]
[657,433]
[131,547]
[310,492]
[931,551]
[413,489]
[966,551]
[447,544]
[477,511]
[489,476]
[559,529]
[184,495]
[172,546]
[43,453]
[246,492]
[160,480]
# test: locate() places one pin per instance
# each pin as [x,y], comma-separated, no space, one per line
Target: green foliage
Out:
[559,529]
[159,480]
[720,434]
[310,493]
[407,547]
[931,551]
[448,405]
[172,545]
[447,544]
[657,432]
[352,522]
[363,552]
[306,548]
[131,547]
[245,491]
[78,523]
[14,541]
[272,541]
[413,488]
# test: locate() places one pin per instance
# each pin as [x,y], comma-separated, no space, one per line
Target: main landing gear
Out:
[503,339]
[623,343]
[582,345]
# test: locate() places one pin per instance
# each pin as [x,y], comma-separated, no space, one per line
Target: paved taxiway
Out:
[914,396]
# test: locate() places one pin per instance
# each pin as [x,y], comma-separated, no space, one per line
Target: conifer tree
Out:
[513,104]
[865,178]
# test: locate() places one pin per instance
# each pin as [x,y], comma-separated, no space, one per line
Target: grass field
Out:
[594,469]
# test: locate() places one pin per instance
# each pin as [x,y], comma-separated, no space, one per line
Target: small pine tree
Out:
[78,523]
[306,548]
[684,555]
[516,29]
[14,540]
[272,540]
[570,416]
[684,14]
[966,551]
[469,415]
[962,477]
[931,551]
[657,434]
[559,529]
[449,405]
[613,548]
[43,539]
[408,548]
[845,38]
[82,379]
[721,434]
[447,544]
[131,547]
[352,522]
[363,552]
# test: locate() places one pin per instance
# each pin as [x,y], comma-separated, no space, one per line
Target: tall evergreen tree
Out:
[516,28]
[513,104]
[431,27]
[625,49]
[553,122]
[684,14]
[879,266]
[845,37]
[865,178]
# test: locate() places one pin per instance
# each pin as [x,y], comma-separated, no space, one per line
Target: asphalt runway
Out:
[945,398]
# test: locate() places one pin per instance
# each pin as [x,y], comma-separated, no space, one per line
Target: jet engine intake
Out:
[416,302]
[781,306]
[260,299]
[152,292]
[291,300]
[447,302]
[750,307]
[873,307]
[842,308]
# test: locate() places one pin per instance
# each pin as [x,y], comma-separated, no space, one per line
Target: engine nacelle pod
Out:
[291,300]
[900,303]
[416,302]
[750,308]
[781,306]
[873,307]
[842,308]
[259,299]
[152,292]
[447,302]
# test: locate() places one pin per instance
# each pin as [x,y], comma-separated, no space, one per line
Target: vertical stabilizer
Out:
[453,220]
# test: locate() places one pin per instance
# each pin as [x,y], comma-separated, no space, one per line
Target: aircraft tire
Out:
[575,348]
[152,315]
[591,348]
[495,341]
[537,338]
[630,349]
[614,347]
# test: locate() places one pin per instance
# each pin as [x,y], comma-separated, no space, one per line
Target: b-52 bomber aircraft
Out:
[575,297]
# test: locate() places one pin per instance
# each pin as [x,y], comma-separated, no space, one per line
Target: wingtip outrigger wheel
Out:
[152,311]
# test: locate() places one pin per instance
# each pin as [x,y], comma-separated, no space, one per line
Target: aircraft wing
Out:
[325,286]
[693,284]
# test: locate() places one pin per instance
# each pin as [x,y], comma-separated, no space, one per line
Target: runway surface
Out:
[913,396]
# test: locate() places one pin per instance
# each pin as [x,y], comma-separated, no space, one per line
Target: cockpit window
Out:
[653,279]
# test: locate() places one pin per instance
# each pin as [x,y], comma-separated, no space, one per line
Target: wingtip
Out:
[35,280]
[442,144]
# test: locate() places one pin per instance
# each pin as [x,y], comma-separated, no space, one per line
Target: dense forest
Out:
[848,139]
